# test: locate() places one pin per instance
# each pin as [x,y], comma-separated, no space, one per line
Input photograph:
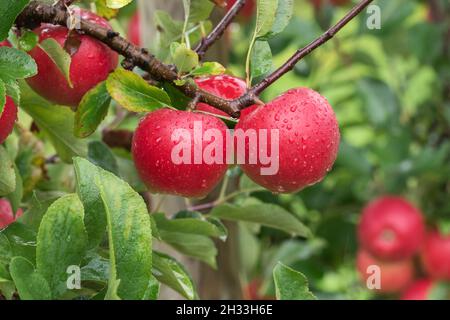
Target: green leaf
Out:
[91,111]
[269,215]
[208,68]
[5,250]
[184,58]
[265,16]
[170,272]
[284,12]
[134,94]
[22,240]
[94,210]
[192,224]
[179,100]
[261,62]
[100,155]
[380,102]
[104,11]
[291,284]
[96,269]
[28,40]
[193,245]
[16,64]
[117,4]
[9,10]
[152,291]
[30,284]
[60,57]
[61,242]
[7,173]
[129,231]
[56,121]
[12,89]
[200,10]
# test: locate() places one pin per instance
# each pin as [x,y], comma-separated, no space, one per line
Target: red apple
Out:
[307,141]
[7,119]
[6,214]
[418,290]
[165,167]
[134,29]
[436,255]
[391,228]
[394,276]
[91,64]
[224,86]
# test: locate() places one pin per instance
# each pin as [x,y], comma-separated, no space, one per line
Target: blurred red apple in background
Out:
[436,255]
[391,228]
[394,276]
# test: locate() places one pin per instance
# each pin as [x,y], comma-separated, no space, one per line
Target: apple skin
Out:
[418,290]
[90,65]
[395,276]
[436,255]
[6,214]
[152,149]
[308,140]
[224,86]
[391,228]
[7,119]
[247,11]
[134,29]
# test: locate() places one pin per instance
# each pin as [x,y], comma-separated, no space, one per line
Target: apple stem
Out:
[219,30]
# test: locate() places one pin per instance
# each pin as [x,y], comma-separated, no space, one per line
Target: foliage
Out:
[86,209]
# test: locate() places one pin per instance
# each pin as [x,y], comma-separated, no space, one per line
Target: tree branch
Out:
[247,99]
[36,13]
[219,30]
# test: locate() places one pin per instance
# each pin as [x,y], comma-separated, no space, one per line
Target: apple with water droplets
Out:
[302,129]
[391,228]
[91,63]
[393,276]
[181,153]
